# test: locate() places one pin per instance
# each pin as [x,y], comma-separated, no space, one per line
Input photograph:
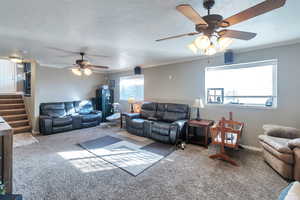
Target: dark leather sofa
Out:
[65,116]
[164,122]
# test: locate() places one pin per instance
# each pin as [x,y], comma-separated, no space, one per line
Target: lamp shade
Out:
[88,71]
[131,100]
[198,103]
[193,47]
[224,42]
[202,42]
[211,50]
[76,71]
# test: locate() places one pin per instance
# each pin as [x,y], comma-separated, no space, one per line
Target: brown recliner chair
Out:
[281,147]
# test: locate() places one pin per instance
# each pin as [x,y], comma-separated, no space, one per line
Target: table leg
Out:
[206,136]
[187,134]
[121,121]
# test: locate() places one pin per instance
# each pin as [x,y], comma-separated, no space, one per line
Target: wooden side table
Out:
[205,124]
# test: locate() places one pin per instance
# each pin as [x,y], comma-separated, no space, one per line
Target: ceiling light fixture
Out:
[87,71]
[205,45]
[77,71]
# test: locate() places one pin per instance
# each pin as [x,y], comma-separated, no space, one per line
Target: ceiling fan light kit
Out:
[212,39]
[77,71]
[87,71]
[81,66]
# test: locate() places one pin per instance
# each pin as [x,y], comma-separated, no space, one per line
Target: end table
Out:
[205,124]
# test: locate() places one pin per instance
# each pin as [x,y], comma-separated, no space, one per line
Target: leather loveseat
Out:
[164,122]
[65,116]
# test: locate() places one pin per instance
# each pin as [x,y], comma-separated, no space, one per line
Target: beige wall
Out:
[187,83]
[55,85]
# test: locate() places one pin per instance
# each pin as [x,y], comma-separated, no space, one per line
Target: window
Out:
[251,84]
[132,86]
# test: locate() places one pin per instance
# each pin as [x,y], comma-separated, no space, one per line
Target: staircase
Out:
[12,109]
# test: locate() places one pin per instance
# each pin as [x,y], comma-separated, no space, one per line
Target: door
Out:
[7,76]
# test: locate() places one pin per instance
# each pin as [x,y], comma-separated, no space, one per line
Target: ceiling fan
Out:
[210,24]
[81,65]
[84,66]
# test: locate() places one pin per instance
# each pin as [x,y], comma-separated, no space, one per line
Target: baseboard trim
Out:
[35,132]
[252,148]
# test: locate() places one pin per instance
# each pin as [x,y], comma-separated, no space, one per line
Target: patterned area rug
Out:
[130,157]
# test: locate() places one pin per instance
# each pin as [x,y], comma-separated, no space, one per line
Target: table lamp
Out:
[131,101]
[198,104]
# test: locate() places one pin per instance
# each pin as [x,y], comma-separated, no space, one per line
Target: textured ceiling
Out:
[125,30]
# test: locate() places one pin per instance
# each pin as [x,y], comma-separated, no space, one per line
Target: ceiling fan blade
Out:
[259,9]
[188,11]
[177,36]
[242,35]
[94,55]
[63,50]
[73,66]
[97,66]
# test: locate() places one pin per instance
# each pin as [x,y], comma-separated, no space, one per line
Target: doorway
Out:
[8,77]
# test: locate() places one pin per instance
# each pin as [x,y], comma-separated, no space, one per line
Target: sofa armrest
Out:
[181,124]
[180,128]
[45,124]
[281,131]
[297,164]
[97,111]
[294,143]
[132,115]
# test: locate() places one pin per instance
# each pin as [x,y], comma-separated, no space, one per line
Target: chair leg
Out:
[224,157]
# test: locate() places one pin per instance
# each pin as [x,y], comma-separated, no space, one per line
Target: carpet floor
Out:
[57,168]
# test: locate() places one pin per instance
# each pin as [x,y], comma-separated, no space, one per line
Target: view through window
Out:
[251,84]
[132,86]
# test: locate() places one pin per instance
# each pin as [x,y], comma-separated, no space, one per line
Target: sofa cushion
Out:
[137,123]
[62,121]
[285,157]
[83,107]
[91,117]
[161,128]
[180,108]
[70,109]
[175,112]
[148,110]
[160,110]
[53,109]
[279,144]
[281,131]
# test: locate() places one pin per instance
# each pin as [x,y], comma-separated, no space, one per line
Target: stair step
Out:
[11,96]
[11,106]
[19,123]
[22,129]
[11,101]
[12,111]
[10,118]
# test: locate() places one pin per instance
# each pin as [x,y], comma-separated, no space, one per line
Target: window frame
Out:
[273,62]
[129,77]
